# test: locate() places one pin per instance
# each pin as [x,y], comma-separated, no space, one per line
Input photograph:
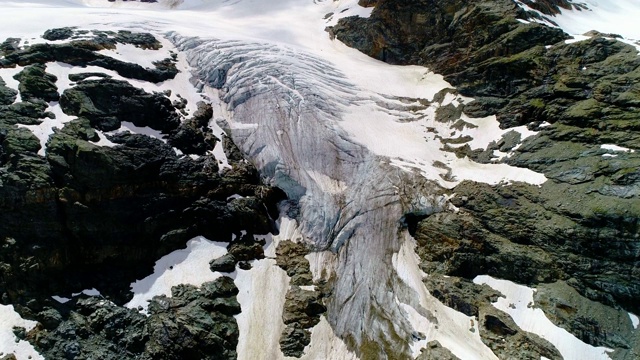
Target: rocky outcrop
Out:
[588,320]
[497,329]
[435,351]
[244,249]
[192,323]
[303,306]
[83,52]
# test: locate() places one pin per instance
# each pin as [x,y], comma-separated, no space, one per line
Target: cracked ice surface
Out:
[284,109]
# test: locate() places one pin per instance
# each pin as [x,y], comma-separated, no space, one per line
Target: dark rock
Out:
[190,324]
[225,263]
[35,83]
[83,53]
[194,135]
[507,341]
[58,34]
[83,76]
[592,322]
[7,94]
[293,341]
[8,46]
[290,257]
[91,216]
[302,310]
[106,103]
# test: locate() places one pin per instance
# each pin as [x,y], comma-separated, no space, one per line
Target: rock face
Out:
[98,209]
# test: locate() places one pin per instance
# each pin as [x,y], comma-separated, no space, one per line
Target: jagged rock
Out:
[83,76]
[460,294]
[590,321]
[20,141]
[7,94]
[502,335]
[9,45]
[194,136]
[86,205]
[192,323]
[580,225]
[302,310]
[246,249]
[290,257]
[58,34]
[83,53]
[36,83]
[225,263]
[26,113]
[435,351]
[293,341]
[106,103]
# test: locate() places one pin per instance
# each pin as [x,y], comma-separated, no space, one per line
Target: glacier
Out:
[342,134]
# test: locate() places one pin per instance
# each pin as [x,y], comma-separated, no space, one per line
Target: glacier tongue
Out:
[284,110]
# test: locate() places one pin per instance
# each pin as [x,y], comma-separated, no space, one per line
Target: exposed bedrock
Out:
[193,323]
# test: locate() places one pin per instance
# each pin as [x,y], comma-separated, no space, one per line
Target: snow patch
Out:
[518,303]
[613,147]
[7,75]
[635,321]
[616,17]
[9,344]
[185,266]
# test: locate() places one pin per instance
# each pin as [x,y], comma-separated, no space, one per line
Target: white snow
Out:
[9,344]
[145,130]
[326,345]
[518,303]
[613,147]
[61,299]
[185,266]
[617,17]
[88,292]
[269,21]
[361,99]
[131,53]
[635,321]
[218,153]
